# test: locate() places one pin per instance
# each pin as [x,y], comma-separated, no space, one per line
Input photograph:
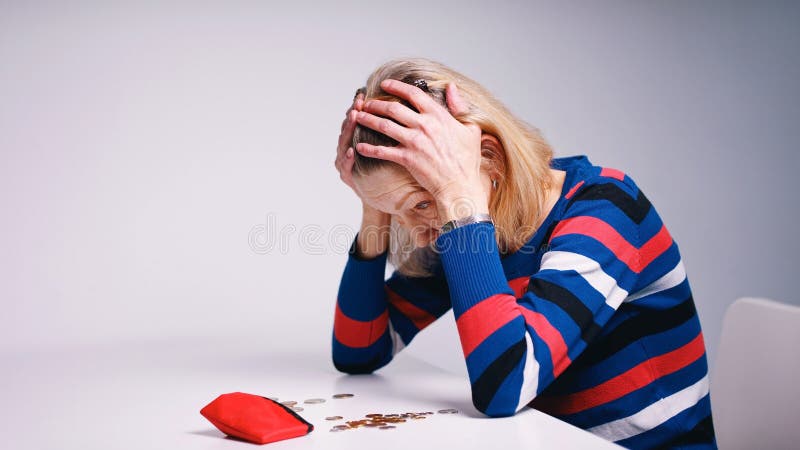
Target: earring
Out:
[494,184]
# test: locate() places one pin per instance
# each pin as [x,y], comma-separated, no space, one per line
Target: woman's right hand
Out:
[373,237]
[345,154]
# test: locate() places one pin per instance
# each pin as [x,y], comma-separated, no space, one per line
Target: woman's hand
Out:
[441,153]
[344,152]
[373,237]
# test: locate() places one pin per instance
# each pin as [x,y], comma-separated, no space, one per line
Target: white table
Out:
[148,396]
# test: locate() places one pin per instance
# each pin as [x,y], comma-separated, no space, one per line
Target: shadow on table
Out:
[219,435]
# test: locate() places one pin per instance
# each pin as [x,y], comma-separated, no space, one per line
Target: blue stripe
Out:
[635,354]
[362,360]
[669,430]
[506,398]
[639,399]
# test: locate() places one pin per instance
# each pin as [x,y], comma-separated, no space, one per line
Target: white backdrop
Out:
[150,153]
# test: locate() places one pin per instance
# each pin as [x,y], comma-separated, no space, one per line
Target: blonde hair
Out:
[521,166]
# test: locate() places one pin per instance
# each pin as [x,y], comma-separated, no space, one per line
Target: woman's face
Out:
[394,191]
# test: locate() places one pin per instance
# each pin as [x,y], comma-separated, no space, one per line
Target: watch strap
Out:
[460,222]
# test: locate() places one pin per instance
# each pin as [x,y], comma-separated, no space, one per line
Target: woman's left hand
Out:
[441,153]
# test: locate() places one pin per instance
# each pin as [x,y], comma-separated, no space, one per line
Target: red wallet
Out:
[254,418]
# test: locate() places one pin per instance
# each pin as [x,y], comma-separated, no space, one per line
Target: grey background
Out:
[150,153]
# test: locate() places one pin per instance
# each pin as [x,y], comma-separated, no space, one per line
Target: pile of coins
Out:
[374,420]
[379,421]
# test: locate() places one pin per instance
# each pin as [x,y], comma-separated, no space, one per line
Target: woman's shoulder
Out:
[591,189]
[582,173]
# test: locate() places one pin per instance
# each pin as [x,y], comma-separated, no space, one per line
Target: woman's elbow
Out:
[495,406]
[353,369]
[360,366]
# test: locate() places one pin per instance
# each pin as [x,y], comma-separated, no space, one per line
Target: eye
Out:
[422,205]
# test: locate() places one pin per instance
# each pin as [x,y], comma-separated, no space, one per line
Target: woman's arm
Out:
[374,318]
[515,347]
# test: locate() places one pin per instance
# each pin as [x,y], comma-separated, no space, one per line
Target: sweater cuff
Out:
[471,263]
[353,253]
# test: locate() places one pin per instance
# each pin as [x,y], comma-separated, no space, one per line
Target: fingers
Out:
[384,126]
[346,167]
[396,154]
[455,102]
[395,110]
[349,160]
[358,103]
[345,155]
[419,99]
[349,123]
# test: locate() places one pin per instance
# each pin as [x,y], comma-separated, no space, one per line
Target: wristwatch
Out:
[476,218]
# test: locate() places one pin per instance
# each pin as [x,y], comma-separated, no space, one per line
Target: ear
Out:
[493,155]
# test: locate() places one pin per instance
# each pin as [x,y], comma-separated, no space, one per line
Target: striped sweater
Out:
[591,321]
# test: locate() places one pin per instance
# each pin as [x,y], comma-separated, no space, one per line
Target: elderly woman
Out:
[568,291]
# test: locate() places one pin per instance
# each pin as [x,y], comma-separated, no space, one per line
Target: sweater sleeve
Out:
[515,347]
[377,318]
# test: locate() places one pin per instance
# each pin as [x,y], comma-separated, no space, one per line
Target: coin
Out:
[334,418]
[342,395]
[297,408]
[373,415]
[313,401]
[448,411]
[340,427]
[387,427]
[288,403]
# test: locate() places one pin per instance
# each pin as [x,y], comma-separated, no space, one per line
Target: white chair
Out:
[755,385]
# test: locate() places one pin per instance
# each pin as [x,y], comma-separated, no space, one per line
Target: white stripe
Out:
[530,376]
[653,415]
[673,278]
[590,270]
[397,341]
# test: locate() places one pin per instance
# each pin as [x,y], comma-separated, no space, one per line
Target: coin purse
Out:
[254,418]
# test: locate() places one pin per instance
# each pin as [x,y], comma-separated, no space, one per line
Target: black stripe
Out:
[636,209]
[571,304]
[484,388]
[546,239]
[630,331]
[702,433]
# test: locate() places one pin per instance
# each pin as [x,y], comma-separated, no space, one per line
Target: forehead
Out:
[387,187]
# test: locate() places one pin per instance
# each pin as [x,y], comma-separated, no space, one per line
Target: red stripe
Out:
[417,315]
[656,246]
[486,317]
[629,381]
[603,232]
[635,259]
[612,173]
[519,285]
[552,337]
[356,333]
[573,190]
[483,319]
